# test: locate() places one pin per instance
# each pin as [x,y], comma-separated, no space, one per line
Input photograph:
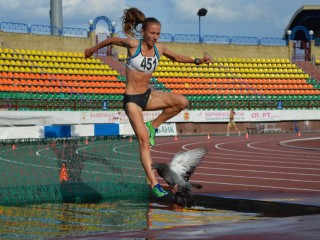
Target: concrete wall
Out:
[43,42]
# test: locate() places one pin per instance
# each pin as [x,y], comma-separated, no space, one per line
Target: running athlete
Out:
[143,58]
[232,122]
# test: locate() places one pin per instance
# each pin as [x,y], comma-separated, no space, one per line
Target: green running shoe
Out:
[158,191]
[152,133]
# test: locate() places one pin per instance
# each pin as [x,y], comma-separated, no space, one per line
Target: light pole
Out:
[113,29]
[91,33]
[289,32]
[311,47]
[311,34]
[201,13]
[290,44]
[90,22]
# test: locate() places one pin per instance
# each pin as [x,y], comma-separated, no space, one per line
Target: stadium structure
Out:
[273,83]
[64,137]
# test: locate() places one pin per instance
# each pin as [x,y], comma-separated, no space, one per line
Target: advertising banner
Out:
[166,129]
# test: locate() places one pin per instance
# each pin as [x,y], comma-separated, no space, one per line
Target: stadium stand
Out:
[239,83]
[31,79]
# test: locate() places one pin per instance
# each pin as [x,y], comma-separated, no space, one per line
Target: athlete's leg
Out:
[228,128]
[170,103]
[135,116]
[235,128]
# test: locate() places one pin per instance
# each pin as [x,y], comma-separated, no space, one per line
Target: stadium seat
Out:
[231,77]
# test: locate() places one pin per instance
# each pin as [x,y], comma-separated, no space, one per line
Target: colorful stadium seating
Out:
[49,80]
[44,75]
[240,83]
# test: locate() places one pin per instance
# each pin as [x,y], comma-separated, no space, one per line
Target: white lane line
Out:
[255,153]
[264,166]
[249,145]
[272,156]
[26,164]
[250,155]
[56,168]
[252,165]
[38,153]
[262,178]
[259,186]
[245,153]
[252,185]
[221,159]
[295,162]
[257,171]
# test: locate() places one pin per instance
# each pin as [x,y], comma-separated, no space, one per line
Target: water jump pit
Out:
[53,188]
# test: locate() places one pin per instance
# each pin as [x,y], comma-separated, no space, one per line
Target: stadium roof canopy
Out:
[305,19]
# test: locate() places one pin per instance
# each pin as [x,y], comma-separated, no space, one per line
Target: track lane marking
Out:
[252,185]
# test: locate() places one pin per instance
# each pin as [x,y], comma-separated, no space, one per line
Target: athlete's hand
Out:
[88,52]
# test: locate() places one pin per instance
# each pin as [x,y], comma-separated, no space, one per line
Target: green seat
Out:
[212,97]
[192,98]
[11,95]
[100,97]
[119,97]
[26,95]
[196,106]
[111,97]
[215,104]
[44,96]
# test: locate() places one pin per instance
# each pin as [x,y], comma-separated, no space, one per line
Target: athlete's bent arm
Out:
[122,42]
[184,59]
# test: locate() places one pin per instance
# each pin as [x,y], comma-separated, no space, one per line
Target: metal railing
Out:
[216,39]
[14,27]
[164,37]
[42,29]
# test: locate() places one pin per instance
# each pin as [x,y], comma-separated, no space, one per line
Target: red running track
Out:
[256,167]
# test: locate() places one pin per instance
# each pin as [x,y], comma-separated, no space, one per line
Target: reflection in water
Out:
[70,219]
[54,220]
[160,216]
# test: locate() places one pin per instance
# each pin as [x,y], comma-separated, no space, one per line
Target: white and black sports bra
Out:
[141,63]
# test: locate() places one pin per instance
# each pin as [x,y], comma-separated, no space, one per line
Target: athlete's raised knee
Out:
[182,102]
